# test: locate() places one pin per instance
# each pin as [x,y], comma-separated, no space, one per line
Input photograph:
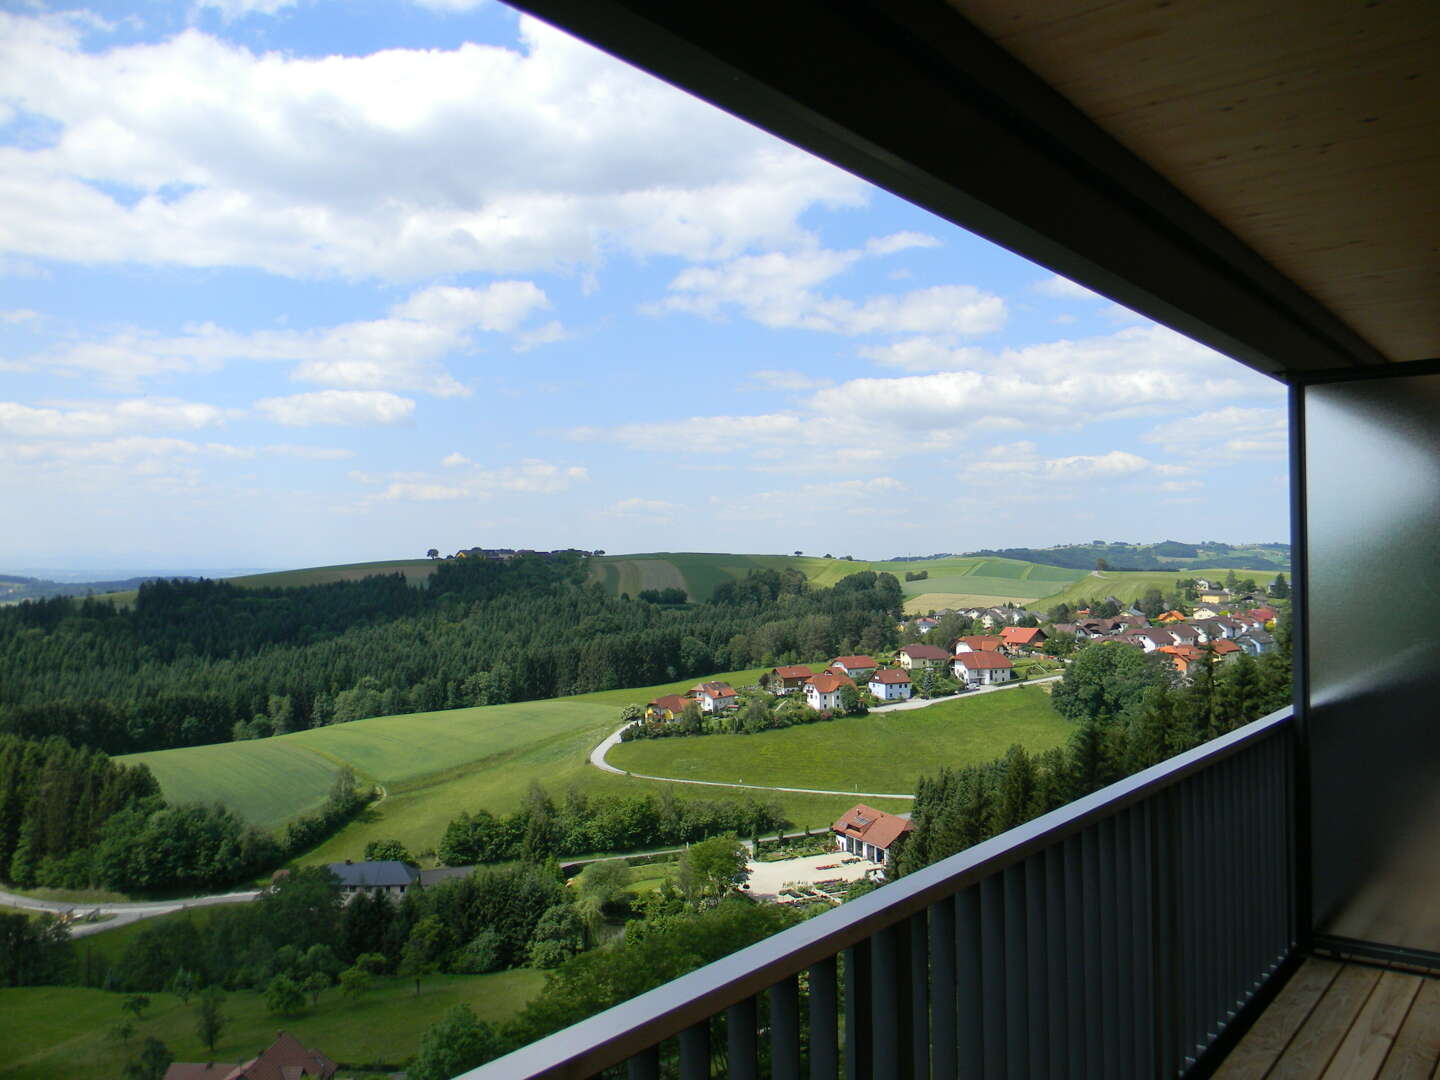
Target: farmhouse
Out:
[982,668]
[788,678]
[1183,656]
[922,656]
[823,691]
[890,684]
[871,834]
[855,666]
[979,643]
[1014,638]
[284,1059]
[666,707]
[715,696]
[388,877]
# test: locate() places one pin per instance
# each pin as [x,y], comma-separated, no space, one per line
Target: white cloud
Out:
[400,164]
[901,241]
[455,460]
[400,352]
[1137,373]
[337,407]
[91,419]
[650,511]
[777,290]
[1072,469]
[18,315]
[548,334]
[531,476]
[1060,288]
[1230,434]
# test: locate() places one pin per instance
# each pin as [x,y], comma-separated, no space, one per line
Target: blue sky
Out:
[295,283]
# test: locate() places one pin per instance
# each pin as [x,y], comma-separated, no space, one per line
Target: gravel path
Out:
[123,913]
[597,756]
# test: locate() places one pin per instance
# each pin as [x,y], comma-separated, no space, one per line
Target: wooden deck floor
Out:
[1336,1020]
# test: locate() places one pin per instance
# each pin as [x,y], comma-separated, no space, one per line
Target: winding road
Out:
[123,913]
[597,756]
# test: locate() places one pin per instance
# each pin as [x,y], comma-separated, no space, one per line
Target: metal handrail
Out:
[631,1027]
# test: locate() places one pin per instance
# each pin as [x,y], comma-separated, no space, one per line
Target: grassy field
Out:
[994,580]
[50,1032]
[1130,585]
[881,752]
[432,765]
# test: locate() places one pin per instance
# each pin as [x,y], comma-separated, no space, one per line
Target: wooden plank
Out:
[1417,1048]
[1326,1027]
[1271,1033]
[1373,1033]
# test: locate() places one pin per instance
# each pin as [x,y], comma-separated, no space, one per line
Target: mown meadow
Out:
[432,766]
[884,751]
[64,1031]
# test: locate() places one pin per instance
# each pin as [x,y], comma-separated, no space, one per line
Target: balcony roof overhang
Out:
[1262,180]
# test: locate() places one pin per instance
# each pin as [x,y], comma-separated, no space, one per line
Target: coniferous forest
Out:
[202,662]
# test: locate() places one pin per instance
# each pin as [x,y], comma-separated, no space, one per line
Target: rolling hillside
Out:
[971,580]
[432,765]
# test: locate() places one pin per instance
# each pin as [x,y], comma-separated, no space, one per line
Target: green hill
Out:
[433,765]
[989,580]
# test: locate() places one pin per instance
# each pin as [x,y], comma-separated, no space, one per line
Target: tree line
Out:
[581,824]
[202,662]
[71,818]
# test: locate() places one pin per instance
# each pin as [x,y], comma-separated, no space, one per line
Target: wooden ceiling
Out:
[1259,176]
[1309,128]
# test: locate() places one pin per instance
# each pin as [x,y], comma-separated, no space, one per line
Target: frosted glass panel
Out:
[1373,513]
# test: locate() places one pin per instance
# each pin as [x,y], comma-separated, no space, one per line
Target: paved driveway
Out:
[768,878]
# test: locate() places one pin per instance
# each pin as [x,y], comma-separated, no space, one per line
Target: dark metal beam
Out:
[910,96]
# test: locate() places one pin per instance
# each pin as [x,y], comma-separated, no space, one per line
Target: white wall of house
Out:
[817,700]
[891,691]
[982,677]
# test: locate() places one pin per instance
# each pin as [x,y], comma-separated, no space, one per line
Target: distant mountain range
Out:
[18,586]
[1166,555]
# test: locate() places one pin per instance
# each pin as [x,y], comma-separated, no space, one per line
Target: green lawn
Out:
[880,752]
[1130,585]
[51,1032]
[433,766]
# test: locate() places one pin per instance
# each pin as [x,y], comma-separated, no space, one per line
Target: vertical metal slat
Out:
[695,1052]
[859,1016]
[944,1061]
[824,1006]
[785,1029]
[644,1065]
[740,1045]
[969,997]
[992,974]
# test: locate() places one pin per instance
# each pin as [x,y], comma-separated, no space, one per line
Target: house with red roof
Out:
[1184,657]
[872,834]
[666,707]
[912,657]
[284,1059]
[1170,616]
[982,668]
[823,691]
[1021,638]
[788,678]
[979,643]
[715,697]
[1225,649]
[890,684]
[857,667]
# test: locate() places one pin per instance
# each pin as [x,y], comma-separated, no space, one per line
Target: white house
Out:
[922,656]
[823,691]
[890,684]
[857,667]
[715,696]
[982,668]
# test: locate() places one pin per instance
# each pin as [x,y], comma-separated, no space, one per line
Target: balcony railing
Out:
[1116,936]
